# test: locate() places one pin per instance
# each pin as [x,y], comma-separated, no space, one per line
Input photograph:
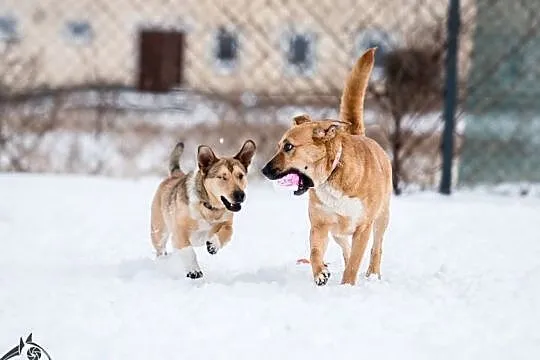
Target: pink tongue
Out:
[289,180]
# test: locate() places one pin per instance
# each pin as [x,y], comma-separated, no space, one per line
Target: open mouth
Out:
[303,181]
[234,207]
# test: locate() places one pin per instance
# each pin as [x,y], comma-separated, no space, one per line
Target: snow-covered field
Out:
[461,280]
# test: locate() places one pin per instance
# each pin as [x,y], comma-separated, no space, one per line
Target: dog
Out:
[348,176]
[197,207]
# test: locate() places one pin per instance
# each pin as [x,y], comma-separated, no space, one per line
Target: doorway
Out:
[161,60]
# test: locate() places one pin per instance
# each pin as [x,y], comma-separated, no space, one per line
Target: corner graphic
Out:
[27,350]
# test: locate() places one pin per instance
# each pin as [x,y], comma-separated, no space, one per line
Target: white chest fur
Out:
[334,201]
[200,236]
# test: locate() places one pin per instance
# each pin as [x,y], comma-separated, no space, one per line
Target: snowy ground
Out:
[461,280]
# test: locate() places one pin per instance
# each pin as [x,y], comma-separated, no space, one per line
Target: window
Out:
[371,37]
[79,32]
[300,54]
[8,28]
[225,51]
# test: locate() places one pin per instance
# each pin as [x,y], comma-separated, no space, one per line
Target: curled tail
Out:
[174,164]
[352,100]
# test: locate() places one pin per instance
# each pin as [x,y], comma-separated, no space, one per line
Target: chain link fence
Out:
[107,87]
[502,140]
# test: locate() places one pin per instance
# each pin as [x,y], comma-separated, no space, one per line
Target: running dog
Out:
[348,176]
[197,208]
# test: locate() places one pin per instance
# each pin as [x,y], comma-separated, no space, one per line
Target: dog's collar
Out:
[209,207]
[200,193]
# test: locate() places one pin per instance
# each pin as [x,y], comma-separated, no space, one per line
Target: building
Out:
[263,47]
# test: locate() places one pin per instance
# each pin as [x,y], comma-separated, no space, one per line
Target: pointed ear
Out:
[300,119]
[21,345]
[205,158]
[325,133]
[246,153]
[29,338]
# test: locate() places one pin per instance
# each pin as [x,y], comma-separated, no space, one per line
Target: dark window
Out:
[300,53]
[299,50]
[79,31]
[8,28]
[227,45]
[225,51]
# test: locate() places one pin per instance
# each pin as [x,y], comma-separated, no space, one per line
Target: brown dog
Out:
[197,208]
[348,175]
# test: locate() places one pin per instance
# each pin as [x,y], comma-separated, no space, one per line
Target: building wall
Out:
[110,56]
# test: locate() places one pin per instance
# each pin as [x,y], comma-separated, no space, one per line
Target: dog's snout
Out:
[239,196]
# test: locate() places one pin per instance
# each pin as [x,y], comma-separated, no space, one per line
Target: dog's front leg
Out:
[318,240]
[220,235]
[184,250]
[359,242]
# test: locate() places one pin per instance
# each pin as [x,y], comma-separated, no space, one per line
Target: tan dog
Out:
[349,178]
[197,208]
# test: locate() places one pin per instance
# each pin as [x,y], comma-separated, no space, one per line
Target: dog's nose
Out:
[239,196]
[268,170]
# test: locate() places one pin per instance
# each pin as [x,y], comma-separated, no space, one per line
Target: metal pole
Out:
[450,96]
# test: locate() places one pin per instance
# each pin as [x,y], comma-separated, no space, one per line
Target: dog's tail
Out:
[174,160]
[352,100]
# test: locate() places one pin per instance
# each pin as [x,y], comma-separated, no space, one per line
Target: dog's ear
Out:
[246,153]
[327,132]
[300,119]
[205,158]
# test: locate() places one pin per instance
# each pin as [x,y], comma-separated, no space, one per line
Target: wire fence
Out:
[502,108]
[108,86]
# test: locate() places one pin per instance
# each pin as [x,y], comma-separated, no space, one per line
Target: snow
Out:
[461,279]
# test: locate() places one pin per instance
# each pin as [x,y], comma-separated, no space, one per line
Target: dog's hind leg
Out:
[159,240]
[343,242]
[159,234]
[380,225]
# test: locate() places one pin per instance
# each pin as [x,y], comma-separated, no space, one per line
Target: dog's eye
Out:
[240,176]
[288,147]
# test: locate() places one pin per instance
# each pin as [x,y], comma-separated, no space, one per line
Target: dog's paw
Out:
[372,270]
[212,248]
[322,277]
[161,254]
[369,275]
[194,274]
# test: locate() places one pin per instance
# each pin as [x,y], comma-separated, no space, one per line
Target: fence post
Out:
[450,96]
